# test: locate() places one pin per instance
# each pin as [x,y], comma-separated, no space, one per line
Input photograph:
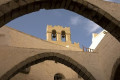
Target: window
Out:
[58,76]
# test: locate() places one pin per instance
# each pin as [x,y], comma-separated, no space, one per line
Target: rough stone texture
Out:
[15,38]
[109,7]
[96,65]
[116,70]
[18,55]
[46,71]
[99,64]
[26,70]
[109,53]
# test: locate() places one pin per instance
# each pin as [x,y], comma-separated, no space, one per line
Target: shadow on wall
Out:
[116,70]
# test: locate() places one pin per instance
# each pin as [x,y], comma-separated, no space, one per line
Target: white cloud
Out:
[89,26]
[108,0]
[75,20]
[92,27]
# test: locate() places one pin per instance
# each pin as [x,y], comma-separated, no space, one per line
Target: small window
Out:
[63,36]
[54,35]
[58,76]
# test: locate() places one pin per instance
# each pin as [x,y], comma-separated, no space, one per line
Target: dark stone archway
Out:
[15,8]
[116,70]
[78,68]
[117,73]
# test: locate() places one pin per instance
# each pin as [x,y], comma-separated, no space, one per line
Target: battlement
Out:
[58,29]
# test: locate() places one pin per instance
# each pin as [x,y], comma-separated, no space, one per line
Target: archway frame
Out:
[15,8]
[78,68]
[115,66]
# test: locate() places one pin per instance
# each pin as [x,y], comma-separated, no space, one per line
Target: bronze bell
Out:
[54,36]
[63,36]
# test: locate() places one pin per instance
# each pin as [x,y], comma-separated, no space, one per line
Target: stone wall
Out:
[46,71]
[109,52]
[16,38]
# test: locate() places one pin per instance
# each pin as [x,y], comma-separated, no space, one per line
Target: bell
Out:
[63,36]
[54,36]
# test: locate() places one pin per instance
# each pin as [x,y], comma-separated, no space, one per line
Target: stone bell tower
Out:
[60,35]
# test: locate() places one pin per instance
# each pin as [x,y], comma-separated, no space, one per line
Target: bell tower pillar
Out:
[68,37]
[49,33]
[58,36]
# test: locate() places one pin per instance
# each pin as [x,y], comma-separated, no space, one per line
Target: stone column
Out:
[58,36]
[68,37]
[49,36]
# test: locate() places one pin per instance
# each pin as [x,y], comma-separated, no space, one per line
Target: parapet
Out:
[58,29]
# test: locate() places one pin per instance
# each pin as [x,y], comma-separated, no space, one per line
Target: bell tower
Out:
[60,35]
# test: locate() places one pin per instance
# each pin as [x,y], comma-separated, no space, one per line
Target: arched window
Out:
[54,35]
[63,36]
[58,76]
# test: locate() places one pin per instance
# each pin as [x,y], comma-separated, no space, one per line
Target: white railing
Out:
[87,49]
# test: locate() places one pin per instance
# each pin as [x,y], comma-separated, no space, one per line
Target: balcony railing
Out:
[87,49]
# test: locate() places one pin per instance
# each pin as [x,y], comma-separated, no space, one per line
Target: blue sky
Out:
[116,1]
[35,24]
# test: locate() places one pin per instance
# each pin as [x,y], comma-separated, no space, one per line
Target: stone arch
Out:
[116,70]
[15,8]
[78,68]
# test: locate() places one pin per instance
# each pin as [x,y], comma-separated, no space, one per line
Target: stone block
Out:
[68,4]
[37,6]
[100,11]
[53,4]
[117,31]
[22,3]
[45,5]
[85,3]
[8,17]
[13,5]
[79,1]
[30,8]
[15,13]
[71,7]
[58,5]
[30,1]
[26,70]
[23,10]
[115,21]
[5,8]
[104,22]
[110,27]
[63,4]
[76,9]
[97,17]
[2,21]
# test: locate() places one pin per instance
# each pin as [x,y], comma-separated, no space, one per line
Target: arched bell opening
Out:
[54,36]
[63,36]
